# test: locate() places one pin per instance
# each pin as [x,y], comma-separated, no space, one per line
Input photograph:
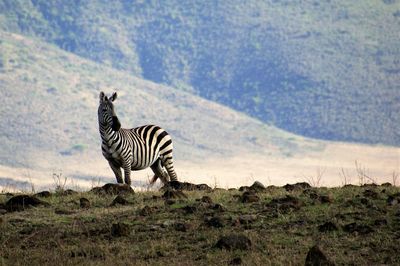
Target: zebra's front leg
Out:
[117,171]
[127,172]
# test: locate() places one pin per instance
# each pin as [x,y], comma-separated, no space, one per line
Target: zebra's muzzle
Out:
[116,125]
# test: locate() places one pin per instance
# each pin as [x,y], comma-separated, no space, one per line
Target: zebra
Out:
[134,148]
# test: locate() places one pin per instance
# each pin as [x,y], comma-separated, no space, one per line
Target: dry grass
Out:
[66,234]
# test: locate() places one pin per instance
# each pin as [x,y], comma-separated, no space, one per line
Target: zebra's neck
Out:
[107,134]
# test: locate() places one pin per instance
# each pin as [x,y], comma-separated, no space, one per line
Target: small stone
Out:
[368,193]
[218,207]
[316,257]
[119,200]
[206,199]
[169,202]
[43,194]
[189,209]
[244,188]
[113,189]
[247,219]
[234,242]
[297,186]
[379,222]
[21,202]
[146,211]
[183,227]
[359,228]
[325,199]
[67,192]
[119,229]
[236,261]
[257,187]
[249,197]
[215,222]
[84,203]
[64,211]
[327,227]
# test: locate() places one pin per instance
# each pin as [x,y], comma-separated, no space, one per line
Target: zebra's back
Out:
[149,143]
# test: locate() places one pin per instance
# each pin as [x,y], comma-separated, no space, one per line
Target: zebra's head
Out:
[106,111]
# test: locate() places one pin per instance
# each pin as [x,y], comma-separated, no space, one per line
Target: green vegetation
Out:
[282,226]
[325,70]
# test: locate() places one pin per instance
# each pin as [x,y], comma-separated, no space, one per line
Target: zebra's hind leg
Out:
[168,163]
[117,171]
[158,172]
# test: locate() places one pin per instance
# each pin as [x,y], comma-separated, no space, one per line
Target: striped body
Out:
[136,148]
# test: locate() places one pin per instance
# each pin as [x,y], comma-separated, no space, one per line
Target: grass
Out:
[44,235]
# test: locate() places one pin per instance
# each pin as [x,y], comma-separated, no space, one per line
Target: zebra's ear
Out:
[102,96]
[113,96]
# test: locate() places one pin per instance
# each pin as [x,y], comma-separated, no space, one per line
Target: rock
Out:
[325,199]
[315,257]
[113,189]
[234,242]
[64,211]
[216,222]
[247,219]
[368,193]
[183,227]
[189,209]
[206,199]
[297,186]
[119,200]
[327,227]
[173,194]
[146,211]
[257,187]
[67,192]
[393,199]
[168,223]
[218,207]
[169,202]
[244,188]
[372,185]
[249,197]
[43,194]
[359,228]
[84,203]
[379,222]
[285,204]
[21,202]
[236,261]
[185,186]
[120,229]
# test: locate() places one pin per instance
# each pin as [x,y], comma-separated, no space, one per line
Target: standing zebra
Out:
[136,148]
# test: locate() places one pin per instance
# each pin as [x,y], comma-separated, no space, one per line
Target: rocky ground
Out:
[187,224]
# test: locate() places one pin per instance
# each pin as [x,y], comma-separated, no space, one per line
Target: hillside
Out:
[50,115]
[324,70]
[50,129]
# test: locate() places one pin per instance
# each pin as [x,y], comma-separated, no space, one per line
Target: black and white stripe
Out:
[135,148]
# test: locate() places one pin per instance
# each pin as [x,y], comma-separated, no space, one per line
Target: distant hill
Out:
[49,129]
[327,70]
[51,99]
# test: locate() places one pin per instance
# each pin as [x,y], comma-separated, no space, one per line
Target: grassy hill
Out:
[351,225]
[50,115]
[50,129]
[325,70]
